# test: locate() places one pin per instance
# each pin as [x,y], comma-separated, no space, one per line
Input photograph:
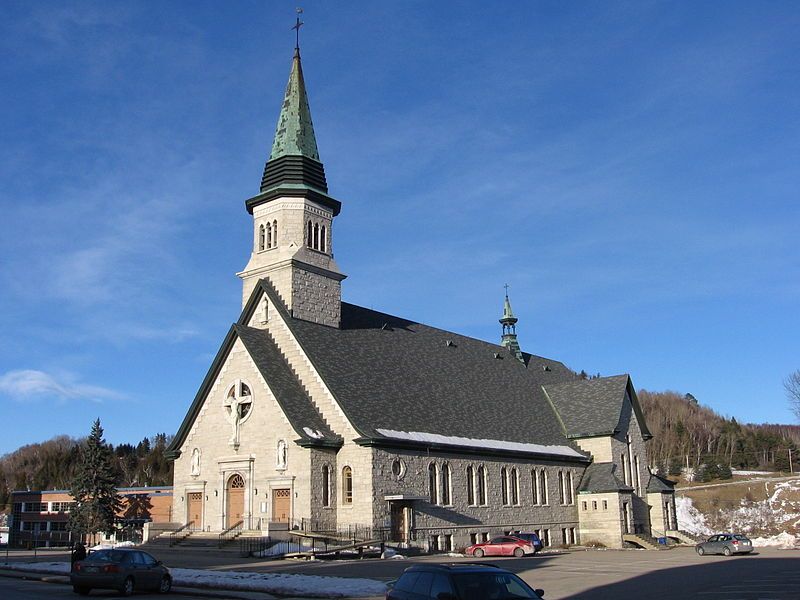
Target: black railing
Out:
[231,533]
[182,532]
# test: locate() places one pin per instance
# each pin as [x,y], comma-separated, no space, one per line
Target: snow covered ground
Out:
[773,521]
[311,586]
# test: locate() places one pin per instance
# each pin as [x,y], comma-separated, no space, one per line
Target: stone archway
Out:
[234,500]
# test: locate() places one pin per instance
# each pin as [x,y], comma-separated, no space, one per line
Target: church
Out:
[317,414]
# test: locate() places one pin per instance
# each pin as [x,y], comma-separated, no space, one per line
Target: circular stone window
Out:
[398,468]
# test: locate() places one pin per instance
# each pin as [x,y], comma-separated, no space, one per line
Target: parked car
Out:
[123,569]
[531,537]
[461,581]
[725,543]
[505,545]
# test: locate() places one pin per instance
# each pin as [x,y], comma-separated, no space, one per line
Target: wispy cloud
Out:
[33,385]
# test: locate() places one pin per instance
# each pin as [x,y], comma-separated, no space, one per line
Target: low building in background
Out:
[39,518]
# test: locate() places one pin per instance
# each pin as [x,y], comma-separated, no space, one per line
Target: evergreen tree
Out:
[94,487]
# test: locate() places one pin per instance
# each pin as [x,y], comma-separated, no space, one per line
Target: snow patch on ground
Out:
[690,519]
[311,586]
[109,545]
[784,540]
[752,472]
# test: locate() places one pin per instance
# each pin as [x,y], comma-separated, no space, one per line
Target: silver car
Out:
[725,543]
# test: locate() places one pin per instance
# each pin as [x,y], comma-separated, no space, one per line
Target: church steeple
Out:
[293,216]
[509,323]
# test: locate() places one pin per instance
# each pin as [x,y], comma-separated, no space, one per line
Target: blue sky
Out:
[630,169]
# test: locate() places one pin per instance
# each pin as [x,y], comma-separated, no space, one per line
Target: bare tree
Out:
[792,386]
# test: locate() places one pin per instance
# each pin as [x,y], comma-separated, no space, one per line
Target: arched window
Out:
[347,485]
[275,234]
[625,473]
[542,487]
[470,486]
[561,495]
[432,479]
[504,486]
[316,236]
[534,486]
[323,241]
[570,492]
[445,495]
[269,235]
[514,485]
[310,235]
[326,485]
[482,485]
[261,237]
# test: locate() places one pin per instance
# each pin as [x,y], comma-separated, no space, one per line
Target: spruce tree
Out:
[94,487]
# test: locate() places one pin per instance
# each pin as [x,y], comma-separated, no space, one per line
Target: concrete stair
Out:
[682,537]
[643,541]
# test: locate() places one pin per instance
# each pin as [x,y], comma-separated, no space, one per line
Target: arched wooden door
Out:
[234,504]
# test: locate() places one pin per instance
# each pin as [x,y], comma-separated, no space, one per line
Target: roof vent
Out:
[545,368]
[497,355]
[449,343]
[385,327]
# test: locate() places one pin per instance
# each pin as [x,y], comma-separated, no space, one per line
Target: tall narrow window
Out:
[637,477]
[275,234]
[323,241]
[310,235]
[561,498]
[504,486]
[316,236]
[470,486]
[347,485]
[482,485]
[514,485]
[326,485]
[269,235]
[445,480]
[543,487]
[534,487]
[570,489]
[432,480]
[261,237]
[624,469]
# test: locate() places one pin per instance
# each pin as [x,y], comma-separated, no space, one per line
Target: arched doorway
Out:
[234,503]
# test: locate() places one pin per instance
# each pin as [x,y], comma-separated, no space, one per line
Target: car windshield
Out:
[491,586]
[110,556]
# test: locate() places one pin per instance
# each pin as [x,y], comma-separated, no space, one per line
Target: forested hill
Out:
[51,465]
[686,432]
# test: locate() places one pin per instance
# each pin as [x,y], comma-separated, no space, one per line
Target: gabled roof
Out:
[660,484]
[601,477]
[593,407]
[404,383]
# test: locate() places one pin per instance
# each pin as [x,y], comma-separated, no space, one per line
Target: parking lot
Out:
[577,574]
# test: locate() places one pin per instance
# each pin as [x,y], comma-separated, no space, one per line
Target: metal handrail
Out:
[173,536]
[230,533]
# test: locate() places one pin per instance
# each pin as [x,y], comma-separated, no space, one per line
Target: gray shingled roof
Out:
[660,484]
[389,373]
[590,407]
[601,477]
[292,397]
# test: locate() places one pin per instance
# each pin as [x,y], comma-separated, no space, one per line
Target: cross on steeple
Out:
[296,28]
[506,286]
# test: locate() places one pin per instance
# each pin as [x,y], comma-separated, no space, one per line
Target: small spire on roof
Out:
[509,323]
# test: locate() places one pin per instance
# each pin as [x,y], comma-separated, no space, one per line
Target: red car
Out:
[501,546]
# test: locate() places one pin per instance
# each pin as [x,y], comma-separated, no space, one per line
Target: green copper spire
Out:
[294,135]
[509,323]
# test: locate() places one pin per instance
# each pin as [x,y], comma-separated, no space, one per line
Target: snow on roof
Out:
[313,433]
[451,440]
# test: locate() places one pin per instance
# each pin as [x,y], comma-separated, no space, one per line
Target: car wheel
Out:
[166,585]
[519,552]
[478,553]
[726,551]
[700,550]
[81,589]
[127,587]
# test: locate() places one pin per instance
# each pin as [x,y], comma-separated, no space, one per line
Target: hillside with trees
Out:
[52,465]
[686,434]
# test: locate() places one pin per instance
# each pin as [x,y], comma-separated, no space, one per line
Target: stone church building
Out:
[317,414]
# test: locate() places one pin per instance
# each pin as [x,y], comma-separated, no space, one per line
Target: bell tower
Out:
[293,217]
[509,323]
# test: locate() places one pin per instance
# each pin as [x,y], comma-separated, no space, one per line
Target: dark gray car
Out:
[121,569]
[725,543]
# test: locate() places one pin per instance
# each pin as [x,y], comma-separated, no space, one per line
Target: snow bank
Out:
[311,586]
[752,472]
[690,519]
[782,540]
[109,545]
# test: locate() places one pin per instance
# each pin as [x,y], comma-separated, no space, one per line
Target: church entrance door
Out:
[281,505]
[399,522]
[194,503]
[234,505]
